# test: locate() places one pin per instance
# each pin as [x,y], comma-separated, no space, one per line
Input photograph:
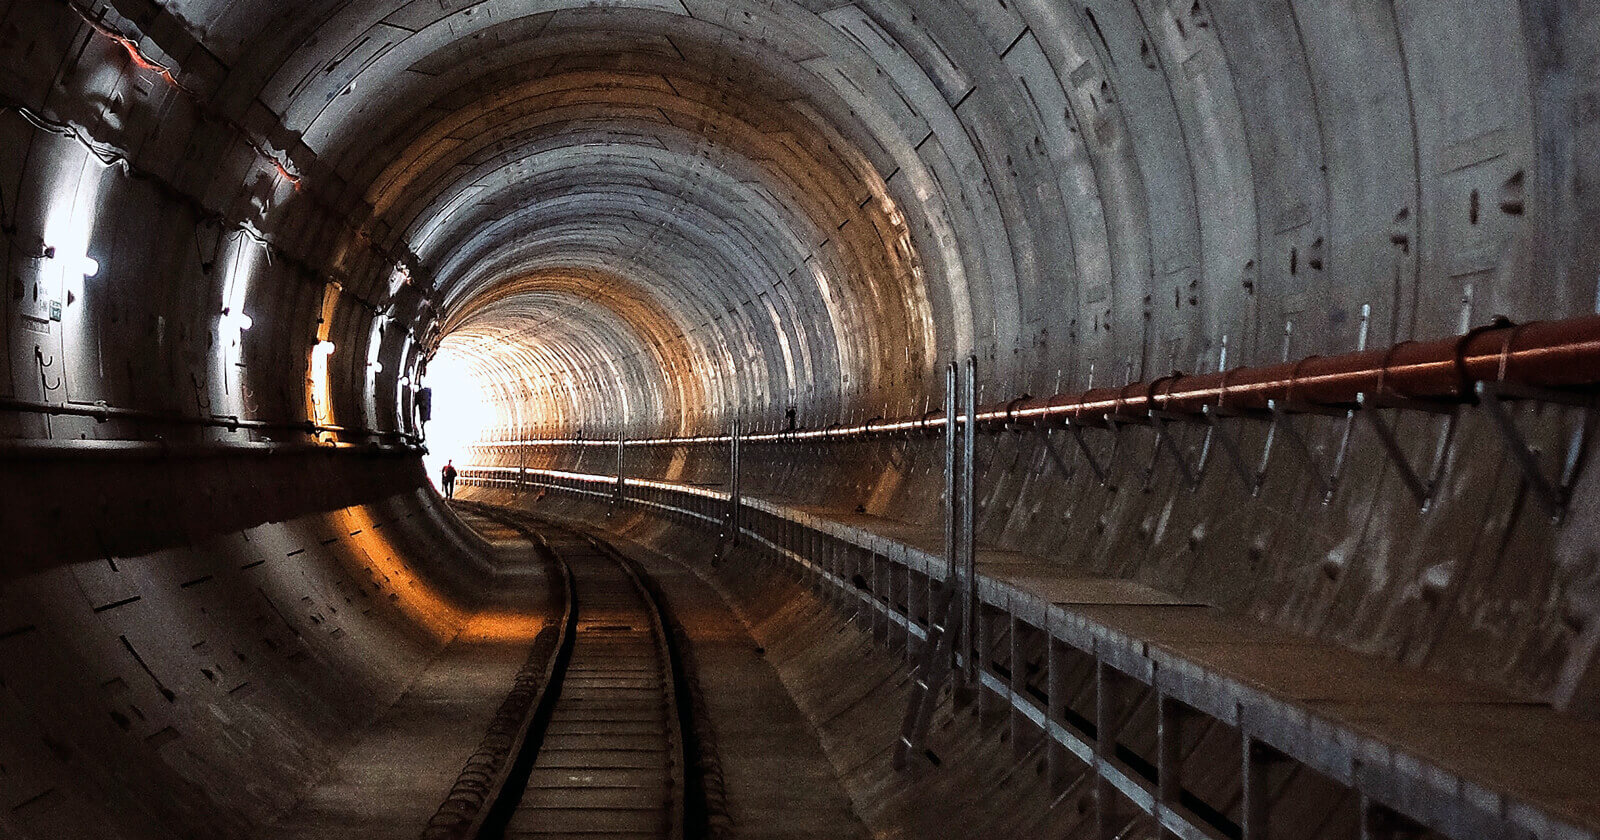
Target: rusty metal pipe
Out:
[1538,354]
[1543,354]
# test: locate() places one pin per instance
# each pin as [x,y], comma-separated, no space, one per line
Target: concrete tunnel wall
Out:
[227,220]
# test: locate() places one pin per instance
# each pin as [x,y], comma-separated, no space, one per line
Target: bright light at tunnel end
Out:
[462,412]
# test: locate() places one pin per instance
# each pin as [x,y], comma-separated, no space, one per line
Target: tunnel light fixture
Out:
[322,349]
[236,320]
[84,266]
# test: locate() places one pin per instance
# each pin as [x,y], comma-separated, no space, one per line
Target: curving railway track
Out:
[590,742]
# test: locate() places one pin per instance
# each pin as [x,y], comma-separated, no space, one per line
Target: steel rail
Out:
[1538,354]
[492,790]
[479,792]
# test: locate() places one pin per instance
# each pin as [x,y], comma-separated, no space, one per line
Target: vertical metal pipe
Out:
[1057,759]
[621,442]
[951,503]
[1373,825]
[969,551]
[1020,742]
[882,593]
[733,484]
[1107,720]
[1378,822]
[1169,757]
[522,467]
[1253,785]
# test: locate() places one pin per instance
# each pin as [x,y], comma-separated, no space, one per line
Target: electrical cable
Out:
[106,155]
[137,56]
[111,156]
[115,157]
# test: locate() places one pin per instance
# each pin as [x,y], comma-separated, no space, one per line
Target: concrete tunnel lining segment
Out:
[236,233]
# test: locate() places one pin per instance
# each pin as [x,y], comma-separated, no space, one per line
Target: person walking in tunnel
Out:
[447,477]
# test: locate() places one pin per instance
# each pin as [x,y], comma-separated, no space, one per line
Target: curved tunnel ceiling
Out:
[225,219]
[812,205]
[653,216]
[693,182]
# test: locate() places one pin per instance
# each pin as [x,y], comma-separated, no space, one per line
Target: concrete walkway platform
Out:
[1424,741]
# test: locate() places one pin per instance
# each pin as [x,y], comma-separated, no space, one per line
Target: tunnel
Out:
[800,419]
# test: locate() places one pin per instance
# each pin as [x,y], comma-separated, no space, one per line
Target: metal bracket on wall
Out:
[1066,471]
[1165,440]
[1557,493]
[1282,421]
[1230,448]
[1423,489]
[1101,471]
[44,365]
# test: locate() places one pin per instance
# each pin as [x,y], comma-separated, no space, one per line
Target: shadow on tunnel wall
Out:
[71,507]
[186,643]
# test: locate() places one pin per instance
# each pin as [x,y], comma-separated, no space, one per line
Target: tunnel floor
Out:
[778,781]
[774,780]
[393,779]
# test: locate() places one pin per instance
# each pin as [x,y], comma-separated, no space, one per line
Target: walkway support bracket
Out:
[1553,493]
[1423,489]
[1282,422]
[1102,472]
[735,441]
[1062,468]
[1164,440]
[1230,447]
[618,495]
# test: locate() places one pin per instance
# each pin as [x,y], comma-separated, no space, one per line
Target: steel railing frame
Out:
[877,580]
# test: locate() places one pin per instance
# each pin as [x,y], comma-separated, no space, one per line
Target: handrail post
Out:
[951,554]
[522,466]
[969,552]
[734,489]
[617,497]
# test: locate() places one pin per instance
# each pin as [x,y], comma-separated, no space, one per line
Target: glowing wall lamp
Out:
[320,406]
[87,267]
[236,321]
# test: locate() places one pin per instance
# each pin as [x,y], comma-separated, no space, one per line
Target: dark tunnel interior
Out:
[689,274]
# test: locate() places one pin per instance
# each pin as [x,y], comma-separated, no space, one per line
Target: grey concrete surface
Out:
[240,238]
[390,782]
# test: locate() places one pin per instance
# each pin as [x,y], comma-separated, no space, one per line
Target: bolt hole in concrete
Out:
[244,239]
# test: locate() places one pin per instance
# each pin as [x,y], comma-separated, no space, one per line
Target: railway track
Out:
[596,746]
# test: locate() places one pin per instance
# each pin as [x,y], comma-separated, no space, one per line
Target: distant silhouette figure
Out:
[448,474]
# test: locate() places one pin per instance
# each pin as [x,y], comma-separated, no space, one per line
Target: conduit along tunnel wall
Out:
[1257,505]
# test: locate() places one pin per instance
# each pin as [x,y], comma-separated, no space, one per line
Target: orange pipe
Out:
[1543,354]
[1538,354]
